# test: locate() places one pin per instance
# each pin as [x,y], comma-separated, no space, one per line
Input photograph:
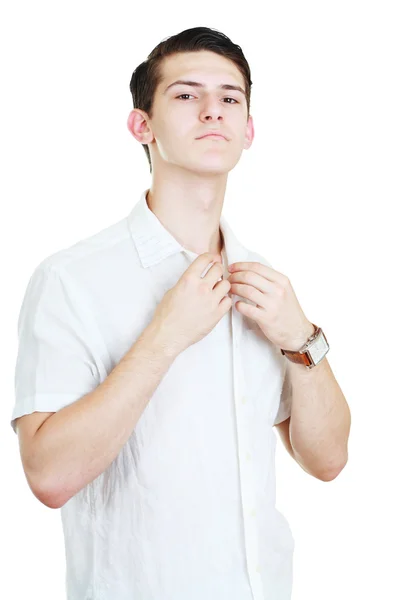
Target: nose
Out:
[212,110]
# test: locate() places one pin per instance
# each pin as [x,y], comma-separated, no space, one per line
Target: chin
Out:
[211,165]
[208,170]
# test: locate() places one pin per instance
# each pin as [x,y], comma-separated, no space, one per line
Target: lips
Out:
[214,135]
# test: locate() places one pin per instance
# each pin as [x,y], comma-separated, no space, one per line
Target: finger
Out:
[214,274]
[221,289]
[249,292]
[256,267]
[253,279]
[202,263]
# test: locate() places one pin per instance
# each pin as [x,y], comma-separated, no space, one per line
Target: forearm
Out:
[80,441]
[320,420]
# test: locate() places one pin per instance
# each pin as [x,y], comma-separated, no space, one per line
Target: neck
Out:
[190,211]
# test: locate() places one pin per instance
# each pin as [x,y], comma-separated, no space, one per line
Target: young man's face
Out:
[183,113]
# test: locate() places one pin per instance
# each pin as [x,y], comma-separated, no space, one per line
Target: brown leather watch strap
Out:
[297,357]
[301,357]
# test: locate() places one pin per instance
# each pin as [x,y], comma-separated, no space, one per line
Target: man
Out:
[149,375]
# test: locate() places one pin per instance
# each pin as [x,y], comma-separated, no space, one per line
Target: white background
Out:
[317,194]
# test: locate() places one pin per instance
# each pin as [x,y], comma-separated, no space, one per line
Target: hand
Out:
[278,312]
[192,308]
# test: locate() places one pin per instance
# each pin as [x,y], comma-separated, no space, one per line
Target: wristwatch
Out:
[312,352]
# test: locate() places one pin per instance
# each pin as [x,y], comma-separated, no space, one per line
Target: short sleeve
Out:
[285,404]
[55,364]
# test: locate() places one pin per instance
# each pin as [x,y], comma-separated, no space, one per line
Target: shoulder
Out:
[94,257]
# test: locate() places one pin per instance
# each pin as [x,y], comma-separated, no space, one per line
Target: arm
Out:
[319,425]
[320,419]
[77,443]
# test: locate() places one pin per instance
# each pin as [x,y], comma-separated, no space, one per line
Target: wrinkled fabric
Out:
[186,511]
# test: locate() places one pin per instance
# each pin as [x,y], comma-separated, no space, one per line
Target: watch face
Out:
[318,348]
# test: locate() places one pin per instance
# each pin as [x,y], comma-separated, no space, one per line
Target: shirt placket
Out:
[246,463]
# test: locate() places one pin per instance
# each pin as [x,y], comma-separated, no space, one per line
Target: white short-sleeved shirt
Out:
[186,511]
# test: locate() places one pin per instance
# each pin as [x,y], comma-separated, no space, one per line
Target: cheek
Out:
[176,130]
[170,138]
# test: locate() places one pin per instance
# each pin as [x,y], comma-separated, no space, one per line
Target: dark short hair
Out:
[147,76]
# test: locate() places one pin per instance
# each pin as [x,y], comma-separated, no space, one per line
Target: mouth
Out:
[213,135]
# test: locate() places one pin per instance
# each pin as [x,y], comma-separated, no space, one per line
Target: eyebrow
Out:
[225,86]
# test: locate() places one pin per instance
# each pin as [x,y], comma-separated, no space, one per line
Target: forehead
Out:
[208,67]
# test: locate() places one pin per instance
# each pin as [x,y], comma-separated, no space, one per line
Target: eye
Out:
[227,98]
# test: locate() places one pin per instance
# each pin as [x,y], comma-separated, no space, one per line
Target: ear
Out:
[137,124]
[249,133]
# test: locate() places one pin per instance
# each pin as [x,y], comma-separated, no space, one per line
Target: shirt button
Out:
[247,456]
[244,399]
[253,512]
[258,569]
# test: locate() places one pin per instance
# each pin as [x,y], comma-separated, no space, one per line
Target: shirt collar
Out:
[154,242]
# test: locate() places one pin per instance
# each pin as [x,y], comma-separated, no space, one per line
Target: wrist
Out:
[298,342]
[157,341]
